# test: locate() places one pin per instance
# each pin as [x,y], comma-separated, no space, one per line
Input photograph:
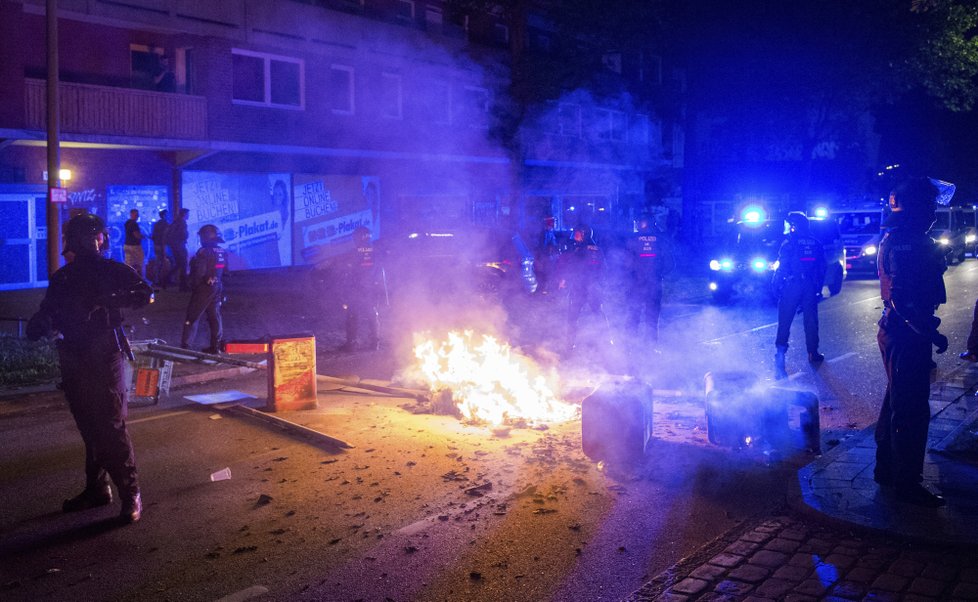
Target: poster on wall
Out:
[327,210]
[252,211]
[149,200]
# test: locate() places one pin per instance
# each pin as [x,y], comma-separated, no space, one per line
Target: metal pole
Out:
[54,145]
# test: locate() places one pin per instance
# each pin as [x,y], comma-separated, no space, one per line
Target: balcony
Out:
[108,111]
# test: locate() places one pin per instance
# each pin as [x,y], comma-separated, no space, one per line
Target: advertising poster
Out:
[293,374]
[119,200]
[253,211]
[327,210]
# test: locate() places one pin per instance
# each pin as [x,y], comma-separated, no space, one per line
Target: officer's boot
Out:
[779,370]
[132,503]
[373,330]
[96,493]
[351,331]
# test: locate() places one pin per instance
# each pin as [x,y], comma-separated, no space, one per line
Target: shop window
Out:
[610,125]
[265,79]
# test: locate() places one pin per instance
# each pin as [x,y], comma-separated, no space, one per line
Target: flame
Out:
[489,381]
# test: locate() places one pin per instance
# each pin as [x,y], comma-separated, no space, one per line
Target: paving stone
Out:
[849,590]
[671,597]
[792,573]
[941,571]
[876,595]
[727,560]
[965,591]
[793,597]
[780,544]
[906,567]
[718,597]
[751,573]
[756,598]
[733,588]
[890,583]
[708,572]
[968,574]
[872,561]
[846,550]
[755,536]
[862,575]
[803,560]
[810,587]
[841,561]
[795,534]
[768,558]
[689,586]
[817,546]
[743,548]
[927,587]
[917,598]
[774,588]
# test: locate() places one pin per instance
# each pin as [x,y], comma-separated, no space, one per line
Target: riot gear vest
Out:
[911,270]
[802,256]
[207,266]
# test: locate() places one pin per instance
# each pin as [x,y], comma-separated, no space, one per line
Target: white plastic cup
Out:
[222,475]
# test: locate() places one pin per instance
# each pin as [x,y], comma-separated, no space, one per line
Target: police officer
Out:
[911,267]
[798,282]
[161,271]
[83,303]
[580,268]
[651,258]
[206,281]
[176,241]
[362,279]
[547,253]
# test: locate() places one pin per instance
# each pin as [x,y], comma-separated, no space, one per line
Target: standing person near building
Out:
[798,282]
[361,290]
[176,241]
[84,303]
[911,270]
[132,246]
[651,258]
[206,281]
[547,253]
[157,233]
[580,269]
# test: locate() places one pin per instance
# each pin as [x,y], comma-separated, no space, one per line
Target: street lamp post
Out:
[54,144]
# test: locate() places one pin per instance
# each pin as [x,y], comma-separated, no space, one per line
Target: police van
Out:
[950,230]
[861,229]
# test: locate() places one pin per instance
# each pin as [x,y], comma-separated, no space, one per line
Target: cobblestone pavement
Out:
[793,559]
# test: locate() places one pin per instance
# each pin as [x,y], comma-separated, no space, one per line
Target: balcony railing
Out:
[103,110]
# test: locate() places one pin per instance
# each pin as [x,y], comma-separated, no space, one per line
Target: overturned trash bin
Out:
[616,422]
[740,412]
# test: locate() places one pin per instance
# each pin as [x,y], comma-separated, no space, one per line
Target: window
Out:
[569,120]
[500,33]
[339,92]
[405,10]
[265,79]
[475,102]
[610,125]
[390,95]
[639,130]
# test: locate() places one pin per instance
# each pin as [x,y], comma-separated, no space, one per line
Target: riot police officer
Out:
[361,291]
[911,267]
[580,268]
[651,258]
[798,282]
[206,288]
[83,303]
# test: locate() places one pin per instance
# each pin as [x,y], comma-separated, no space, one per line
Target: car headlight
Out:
[714,265]
[944,240]
[970,238]
[721,264]
[759,264]
[713,286]
[869,250]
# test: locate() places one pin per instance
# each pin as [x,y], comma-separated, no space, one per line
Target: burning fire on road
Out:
[489,381]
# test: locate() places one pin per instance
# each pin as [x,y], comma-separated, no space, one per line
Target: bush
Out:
[23,362]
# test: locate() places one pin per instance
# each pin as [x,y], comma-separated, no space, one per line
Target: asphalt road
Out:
[424,507]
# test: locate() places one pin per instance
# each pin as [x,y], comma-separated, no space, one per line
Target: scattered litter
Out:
[479,490]
[544,511]
[244,549]
[263,500]
[475,576]
[215,416]
[222,475]
[219,397]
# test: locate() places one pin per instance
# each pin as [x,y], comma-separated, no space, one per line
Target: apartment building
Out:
[289,123]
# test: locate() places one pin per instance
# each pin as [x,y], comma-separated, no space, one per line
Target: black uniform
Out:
[161,269]
[580,269]
[911,268]
[360,293]
[799,279]
[650,259]
[176,240]
[83,303]
[206,275]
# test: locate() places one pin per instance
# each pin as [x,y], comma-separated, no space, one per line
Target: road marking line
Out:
[736,334]
[246,594]
[840,358]
[157,417]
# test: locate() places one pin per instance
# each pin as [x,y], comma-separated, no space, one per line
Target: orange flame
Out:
[489,381]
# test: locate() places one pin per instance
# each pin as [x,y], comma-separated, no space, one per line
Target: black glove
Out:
[939,341]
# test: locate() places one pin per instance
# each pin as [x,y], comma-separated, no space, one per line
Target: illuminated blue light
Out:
[821,212]
[758,264]
[713,286]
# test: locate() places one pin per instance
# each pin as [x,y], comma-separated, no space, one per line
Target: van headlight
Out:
[869,250]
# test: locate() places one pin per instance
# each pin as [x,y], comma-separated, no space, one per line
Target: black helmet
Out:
[81,234]
[587,234]
[797,222]
[209,235]
[912,203]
